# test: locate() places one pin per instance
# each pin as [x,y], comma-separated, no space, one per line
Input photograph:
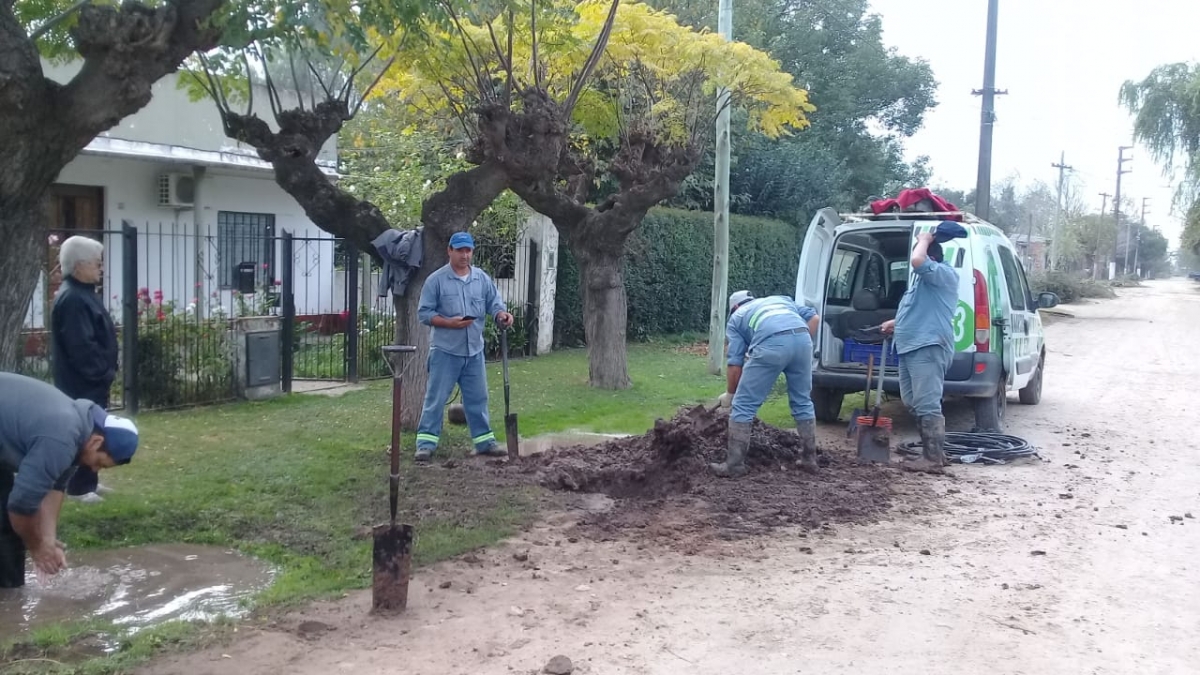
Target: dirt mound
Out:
[662,483]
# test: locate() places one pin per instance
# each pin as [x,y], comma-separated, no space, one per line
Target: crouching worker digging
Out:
[44,436]
[767,337]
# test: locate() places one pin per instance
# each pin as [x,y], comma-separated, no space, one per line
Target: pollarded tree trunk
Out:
[605,312]
[44,124]
[23,248]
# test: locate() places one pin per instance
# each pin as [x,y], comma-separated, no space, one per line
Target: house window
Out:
[245,238]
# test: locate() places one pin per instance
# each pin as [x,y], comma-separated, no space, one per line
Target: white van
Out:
[853,272]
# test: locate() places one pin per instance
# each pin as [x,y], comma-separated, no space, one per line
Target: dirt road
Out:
[1085,563]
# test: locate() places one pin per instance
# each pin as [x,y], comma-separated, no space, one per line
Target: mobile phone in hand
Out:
[470,318]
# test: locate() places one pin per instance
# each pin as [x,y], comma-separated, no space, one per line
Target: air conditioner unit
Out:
[176,190]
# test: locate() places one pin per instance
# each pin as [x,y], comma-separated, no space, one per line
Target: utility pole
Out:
[987,116]
[1137,244]
[1058,216]
[1121,171]
[720,283]
[1096,253]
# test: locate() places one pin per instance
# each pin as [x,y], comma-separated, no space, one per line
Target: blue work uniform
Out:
[924,335]
[41,433]
[769,336]
[456,354]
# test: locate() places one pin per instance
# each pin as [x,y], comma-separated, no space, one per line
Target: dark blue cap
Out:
[947,230]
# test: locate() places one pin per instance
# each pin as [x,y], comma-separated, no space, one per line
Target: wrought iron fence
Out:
[175,291]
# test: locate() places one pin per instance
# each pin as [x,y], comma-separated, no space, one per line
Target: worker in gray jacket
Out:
[44,436]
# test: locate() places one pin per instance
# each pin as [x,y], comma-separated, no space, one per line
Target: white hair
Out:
[78,249]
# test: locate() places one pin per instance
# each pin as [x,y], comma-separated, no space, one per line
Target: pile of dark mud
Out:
[661,482]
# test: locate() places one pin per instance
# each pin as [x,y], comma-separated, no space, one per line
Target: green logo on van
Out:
[964,327]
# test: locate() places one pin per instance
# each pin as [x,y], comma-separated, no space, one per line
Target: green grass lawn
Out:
[293,479]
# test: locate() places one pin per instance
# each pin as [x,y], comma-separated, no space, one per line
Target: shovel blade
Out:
[874,445]
[391,560]
[510,435]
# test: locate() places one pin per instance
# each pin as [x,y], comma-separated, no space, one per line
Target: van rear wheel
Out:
[828,403]
[989,412]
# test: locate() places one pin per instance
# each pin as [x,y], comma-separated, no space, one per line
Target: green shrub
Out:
[1069,287]
[668,272]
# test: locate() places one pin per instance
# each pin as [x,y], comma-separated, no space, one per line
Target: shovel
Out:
[510,418]
[391,556]
[858,412]
[875,438]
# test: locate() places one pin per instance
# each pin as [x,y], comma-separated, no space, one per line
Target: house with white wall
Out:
[202,203]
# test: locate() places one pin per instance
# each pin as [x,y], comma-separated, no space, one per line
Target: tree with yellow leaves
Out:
[591,139]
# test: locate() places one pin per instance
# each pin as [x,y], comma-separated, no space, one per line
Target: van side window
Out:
[841,277]
[1012,278]
[898,271]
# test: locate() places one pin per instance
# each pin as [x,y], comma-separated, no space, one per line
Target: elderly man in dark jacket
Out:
[83,347]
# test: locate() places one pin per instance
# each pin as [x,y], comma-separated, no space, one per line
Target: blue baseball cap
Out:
[462,240]
[120,434]
[947,230]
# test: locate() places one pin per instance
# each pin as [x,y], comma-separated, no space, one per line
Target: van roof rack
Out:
[915,215]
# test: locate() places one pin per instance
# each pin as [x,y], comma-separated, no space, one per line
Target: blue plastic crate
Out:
[857,352]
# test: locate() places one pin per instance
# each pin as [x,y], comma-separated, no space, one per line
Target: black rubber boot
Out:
[933,445]
[807,430]
[933,439]
[735,454]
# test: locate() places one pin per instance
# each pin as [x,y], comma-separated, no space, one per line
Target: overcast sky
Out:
[1062,62]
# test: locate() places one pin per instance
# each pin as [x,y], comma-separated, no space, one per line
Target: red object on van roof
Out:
[909,198]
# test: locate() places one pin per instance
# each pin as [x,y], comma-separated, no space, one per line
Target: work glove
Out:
[725,400]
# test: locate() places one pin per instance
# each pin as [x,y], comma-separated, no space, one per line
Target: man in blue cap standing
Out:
[767,337]
[924,336]
[44,436]
[454,301]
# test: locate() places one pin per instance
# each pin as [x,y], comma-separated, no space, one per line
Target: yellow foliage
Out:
[654,72]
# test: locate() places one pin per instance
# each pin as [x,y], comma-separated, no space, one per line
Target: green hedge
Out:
[668,272]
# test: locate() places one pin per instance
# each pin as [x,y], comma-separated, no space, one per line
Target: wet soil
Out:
[663,486]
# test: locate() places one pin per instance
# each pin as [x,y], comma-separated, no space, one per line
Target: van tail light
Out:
[983,315]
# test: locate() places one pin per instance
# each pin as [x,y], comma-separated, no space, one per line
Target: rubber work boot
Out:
[933,439]
[735,455]
[807,430]
[933,444]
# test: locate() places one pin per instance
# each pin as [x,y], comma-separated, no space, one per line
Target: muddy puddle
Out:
[137,587]
[565,439]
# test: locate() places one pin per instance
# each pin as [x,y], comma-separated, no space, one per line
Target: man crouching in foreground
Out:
[44,436]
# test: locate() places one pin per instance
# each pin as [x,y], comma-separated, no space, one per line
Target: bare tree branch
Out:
[537,66]
[54,21]
[348,89]
[272,93]
[367,92]
[592,61]
[218,90]
[249,84]
[291,54]
[320,80]
[481,83]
